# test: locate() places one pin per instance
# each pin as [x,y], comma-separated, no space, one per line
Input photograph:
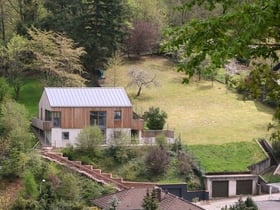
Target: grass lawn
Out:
[230,157]
[199,112]
[30,95]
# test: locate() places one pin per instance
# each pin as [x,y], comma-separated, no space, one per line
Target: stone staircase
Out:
[92,173]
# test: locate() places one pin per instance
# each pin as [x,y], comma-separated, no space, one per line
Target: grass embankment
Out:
[236,156]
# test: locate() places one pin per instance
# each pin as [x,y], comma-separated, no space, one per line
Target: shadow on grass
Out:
[264,108]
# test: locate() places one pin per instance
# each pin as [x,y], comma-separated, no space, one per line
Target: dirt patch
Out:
[8,192]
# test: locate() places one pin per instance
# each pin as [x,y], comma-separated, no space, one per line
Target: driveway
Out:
[264,202]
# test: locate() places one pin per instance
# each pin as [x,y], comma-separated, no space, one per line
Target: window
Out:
[56,118]
[98,118]
[117,115]
[48,115]
[65,135]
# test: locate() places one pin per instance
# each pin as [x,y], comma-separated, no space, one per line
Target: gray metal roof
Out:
[87,97]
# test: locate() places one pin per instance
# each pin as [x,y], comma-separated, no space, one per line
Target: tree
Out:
[58,58]
[220,38]
[157,161]
[18,55]
[4,89]
[143,38]
[97,25]
[89,138]
[113,64]
[14,128]
[150,201]
[155,118]
[141,79]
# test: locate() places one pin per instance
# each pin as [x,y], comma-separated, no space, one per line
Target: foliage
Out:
[97,25]
[25,204]
[89,138]
[150,201]
[30,186]
[161,141]
[157,161]
[208,39]
[4,89]
[143,38]
[57,57]
[184,163]
[16,139]
[17,54]
[114,63]
[155,118]
[141,79]
[248,204]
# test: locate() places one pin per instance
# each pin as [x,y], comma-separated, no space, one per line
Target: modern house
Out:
[63,112]
[132,199]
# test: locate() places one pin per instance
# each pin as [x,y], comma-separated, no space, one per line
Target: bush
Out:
[157,161]
[155,118]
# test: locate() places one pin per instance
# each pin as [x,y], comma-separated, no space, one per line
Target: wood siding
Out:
[80,117]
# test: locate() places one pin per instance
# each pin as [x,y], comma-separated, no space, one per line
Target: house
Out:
[132,199]
[63,112]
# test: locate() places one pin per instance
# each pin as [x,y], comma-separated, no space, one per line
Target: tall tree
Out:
[58,58]
[18,55]
[144,37]
[98,25]
[150,201]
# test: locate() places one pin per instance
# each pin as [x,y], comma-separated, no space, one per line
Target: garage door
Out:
[220,189]
[244,187]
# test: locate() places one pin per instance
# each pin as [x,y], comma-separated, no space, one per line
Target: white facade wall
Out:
[56,137]
[152,140]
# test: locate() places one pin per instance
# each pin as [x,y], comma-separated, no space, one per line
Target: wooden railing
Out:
[41,124]
[137,124]
[154,133]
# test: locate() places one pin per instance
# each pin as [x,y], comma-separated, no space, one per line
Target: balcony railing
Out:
[41,124]
[137,124]
[154,133]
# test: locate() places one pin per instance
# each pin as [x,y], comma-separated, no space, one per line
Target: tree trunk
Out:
[139,91]
[2,20]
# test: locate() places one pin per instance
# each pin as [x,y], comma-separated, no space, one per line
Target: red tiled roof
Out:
[132,199]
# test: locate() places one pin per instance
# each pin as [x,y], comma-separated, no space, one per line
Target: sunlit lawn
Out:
[236,156]
[199,112]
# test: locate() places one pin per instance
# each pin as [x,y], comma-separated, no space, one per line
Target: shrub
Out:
[157,161]
[155,118]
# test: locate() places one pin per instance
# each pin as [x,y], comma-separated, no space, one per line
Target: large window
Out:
[98,118]
[55,117]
